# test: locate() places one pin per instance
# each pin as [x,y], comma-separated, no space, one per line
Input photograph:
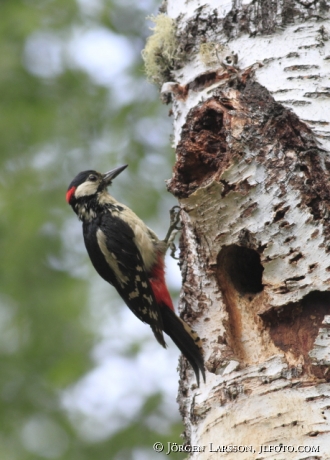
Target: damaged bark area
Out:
[254,191]
[294,330]
[218,131]
[251,132]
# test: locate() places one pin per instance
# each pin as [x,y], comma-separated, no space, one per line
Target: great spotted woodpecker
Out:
[128,255]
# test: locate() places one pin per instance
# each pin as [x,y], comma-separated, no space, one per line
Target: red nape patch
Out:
[158,284]
[69,194]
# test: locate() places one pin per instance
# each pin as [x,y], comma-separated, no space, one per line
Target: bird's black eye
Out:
[92,178]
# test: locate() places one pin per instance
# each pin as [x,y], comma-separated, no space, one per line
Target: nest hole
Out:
[242,268]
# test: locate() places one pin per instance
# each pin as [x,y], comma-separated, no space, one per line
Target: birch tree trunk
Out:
[249,85]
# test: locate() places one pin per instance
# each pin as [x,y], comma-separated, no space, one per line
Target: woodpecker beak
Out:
[110,175]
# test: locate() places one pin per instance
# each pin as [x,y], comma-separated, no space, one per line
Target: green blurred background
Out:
[80,376]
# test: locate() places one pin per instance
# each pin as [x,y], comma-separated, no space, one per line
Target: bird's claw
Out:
[174,228]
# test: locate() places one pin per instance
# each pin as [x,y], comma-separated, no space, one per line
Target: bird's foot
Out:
[174,228]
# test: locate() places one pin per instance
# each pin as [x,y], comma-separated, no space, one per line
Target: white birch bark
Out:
[252,178]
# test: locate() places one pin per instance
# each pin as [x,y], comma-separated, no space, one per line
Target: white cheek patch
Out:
[85,189]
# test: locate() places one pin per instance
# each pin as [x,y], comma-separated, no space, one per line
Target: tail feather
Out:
[185,339]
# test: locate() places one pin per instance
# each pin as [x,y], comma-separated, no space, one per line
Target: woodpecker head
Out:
[87,184]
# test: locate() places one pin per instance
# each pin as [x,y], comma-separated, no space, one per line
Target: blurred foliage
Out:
[55,120]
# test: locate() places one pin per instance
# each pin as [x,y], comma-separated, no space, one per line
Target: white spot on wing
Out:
[101,239]
[148,298]
[153,315]
[144,238]
[133,294]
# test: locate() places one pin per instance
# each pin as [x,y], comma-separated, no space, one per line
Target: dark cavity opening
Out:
[211,120]
[243,268]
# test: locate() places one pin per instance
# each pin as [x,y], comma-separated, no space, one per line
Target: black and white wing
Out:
[110,244]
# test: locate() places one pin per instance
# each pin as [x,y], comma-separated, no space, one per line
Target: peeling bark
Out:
[252,140]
